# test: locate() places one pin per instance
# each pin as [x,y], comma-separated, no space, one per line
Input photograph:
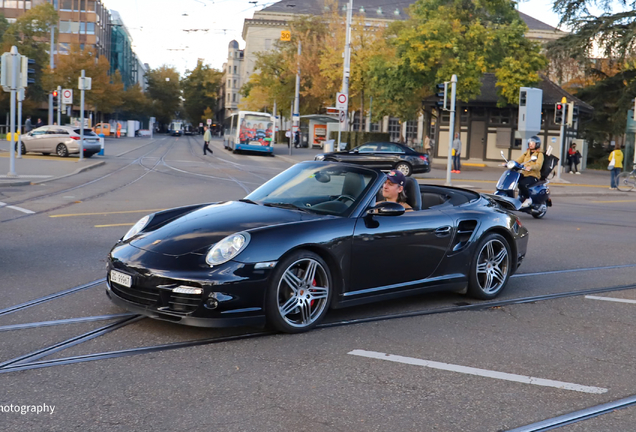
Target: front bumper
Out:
[231,294]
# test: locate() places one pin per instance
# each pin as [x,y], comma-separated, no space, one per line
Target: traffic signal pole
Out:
[52,65]
[14,87]
[451,130]
[59,105]
[561,139]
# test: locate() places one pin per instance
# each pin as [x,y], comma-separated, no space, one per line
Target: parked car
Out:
[382,155]
[310,239]
[61,140]
[102,128]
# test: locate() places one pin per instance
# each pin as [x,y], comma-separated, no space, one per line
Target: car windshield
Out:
[87,132]
[333,189]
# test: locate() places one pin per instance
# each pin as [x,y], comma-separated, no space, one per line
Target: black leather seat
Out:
[353,185]
[412,191]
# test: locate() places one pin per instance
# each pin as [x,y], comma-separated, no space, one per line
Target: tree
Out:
[164,93]
[27,33]
[135,104]
[463,37]
[107,91]
[200,87]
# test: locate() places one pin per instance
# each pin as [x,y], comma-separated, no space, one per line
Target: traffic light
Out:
[442,94]
[572,113]
[558,113]
[55,98]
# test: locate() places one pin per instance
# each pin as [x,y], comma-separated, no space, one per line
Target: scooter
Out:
[507,185]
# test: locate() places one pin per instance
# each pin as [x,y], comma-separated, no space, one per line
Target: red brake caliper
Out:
[312,284]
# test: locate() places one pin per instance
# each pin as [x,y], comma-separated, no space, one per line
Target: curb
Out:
[9,183]
[77,171]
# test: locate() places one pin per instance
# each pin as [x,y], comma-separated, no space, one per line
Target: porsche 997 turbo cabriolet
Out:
[315,237]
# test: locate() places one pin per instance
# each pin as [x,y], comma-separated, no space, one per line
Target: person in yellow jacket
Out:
[531,172]
[617,155]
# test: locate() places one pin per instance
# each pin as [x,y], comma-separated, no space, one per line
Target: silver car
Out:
[61,140]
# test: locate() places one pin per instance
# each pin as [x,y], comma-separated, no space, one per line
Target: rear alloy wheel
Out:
[491,267]
[404,168]
[61,150]
[299,295]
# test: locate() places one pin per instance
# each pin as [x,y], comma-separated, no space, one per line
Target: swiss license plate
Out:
[120,278]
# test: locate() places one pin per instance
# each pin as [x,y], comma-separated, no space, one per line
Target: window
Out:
[368,148]
[90,5]
[375,127]
[234,83]
[66,5]
[356,122]
[411,131]
[90,28]
[233,97]
[394,129]
[390,148]
[63,48]
[228,98]
[229,83]
[500,116]
[234,70]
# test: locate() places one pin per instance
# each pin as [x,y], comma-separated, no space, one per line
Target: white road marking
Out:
[2,204]
[479,372]
[23,210]
[27,176]
[611,299]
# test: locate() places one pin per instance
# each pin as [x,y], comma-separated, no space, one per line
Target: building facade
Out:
[229,93]
[122,57]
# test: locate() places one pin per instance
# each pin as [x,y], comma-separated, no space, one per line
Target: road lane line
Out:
[479,372]
[23,210]
[106,213]
[617,201]
[114,225]
[573,270]
[2,204]
[610,299]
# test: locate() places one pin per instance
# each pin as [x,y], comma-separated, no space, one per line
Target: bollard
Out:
[101,142]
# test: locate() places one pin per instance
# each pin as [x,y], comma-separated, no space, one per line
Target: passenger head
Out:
[393,189]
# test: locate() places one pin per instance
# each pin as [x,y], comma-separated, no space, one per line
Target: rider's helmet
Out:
[536,140]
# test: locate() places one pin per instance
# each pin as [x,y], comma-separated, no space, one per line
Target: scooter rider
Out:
[531,169]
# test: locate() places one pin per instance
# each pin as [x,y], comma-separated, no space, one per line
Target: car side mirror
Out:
[386,208]
[355,150]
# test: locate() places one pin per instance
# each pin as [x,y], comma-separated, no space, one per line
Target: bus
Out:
[250,131]
[176,128]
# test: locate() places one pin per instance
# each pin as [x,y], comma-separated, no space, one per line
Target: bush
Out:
[355,139]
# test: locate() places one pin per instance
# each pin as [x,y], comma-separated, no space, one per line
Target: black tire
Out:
[489,265]
[61,150]
[308,302]
[23,148]
[540,215]
[405,168]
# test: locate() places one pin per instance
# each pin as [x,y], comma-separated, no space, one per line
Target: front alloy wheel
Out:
[300,293]
[404,168]
[491,267]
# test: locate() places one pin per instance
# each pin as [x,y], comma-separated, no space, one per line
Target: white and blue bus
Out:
[249,131]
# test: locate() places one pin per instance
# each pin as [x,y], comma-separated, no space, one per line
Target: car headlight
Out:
[227,249]
[319,157]
[136,228]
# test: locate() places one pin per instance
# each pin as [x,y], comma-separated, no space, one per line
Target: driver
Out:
[393,189]
[531,169]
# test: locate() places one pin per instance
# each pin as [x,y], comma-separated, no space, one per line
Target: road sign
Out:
[67,97]
[84,83]
[209,121]
[342,101]
[333,111]
[285,36]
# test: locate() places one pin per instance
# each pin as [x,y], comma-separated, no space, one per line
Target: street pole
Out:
[20,99]
[296,112]
[82,116]
[558,179]
[59,105]
[14,86]
[52,65]
[291,129]
[347,65]
[451,129]
[275,124]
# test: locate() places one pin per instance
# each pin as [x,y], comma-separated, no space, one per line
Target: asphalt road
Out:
[465,370]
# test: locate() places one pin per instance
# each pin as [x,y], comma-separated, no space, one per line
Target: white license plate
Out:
[120,278]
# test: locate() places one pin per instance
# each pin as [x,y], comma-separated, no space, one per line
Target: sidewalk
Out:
[35,168]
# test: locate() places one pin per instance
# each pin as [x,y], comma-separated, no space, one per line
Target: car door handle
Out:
[443,231]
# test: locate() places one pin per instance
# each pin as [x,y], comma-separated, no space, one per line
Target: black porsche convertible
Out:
[314,237]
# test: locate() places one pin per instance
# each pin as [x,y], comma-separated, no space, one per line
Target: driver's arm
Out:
[536,165]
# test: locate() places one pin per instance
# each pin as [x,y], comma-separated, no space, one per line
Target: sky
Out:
[159,28]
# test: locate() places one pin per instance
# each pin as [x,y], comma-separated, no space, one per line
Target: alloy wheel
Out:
[302,293]
[493,265]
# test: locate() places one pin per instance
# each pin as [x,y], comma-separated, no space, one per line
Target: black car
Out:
[384,156]
[312,238]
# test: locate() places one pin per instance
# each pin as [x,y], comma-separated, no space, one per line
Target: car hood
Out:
[202,228]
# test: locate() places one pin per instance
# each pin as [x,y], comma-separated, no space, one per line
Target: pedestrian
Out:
[456,152]
[118,130]
[296,138]
[573,159]
[207,137]
[427,145]
[28,126]
[288,135]
[39,123]
[615,166]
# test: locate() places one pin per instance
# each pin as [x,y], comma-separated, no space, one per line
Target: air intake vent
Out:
[464,233]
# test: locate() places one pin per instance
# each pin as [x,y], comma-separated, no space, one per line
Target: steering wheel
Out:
[345,197]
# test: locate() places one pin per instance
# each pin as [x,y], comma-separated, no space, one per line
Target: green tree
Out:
[107,91]
[27,33]
[135,104]
[445,37]
[164,92]
[200,87]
